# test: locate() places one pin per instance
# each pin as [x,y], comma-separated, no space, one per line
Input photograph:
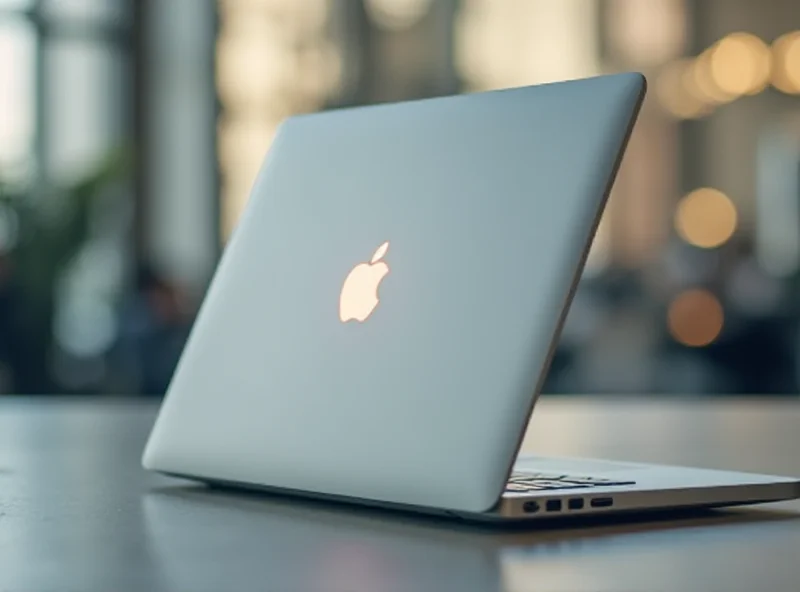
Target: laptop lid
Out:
[384,314]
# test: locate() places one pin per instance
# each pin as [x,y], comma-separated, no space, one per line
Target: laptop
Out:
[383,317]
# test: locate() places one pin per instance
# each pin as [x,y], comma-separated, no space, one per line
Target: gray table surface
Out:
[78,513]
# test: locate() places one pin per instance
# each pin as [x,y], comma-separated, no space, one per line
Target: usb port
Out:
[553,505]
[530,507]
[602,502]
[575,503]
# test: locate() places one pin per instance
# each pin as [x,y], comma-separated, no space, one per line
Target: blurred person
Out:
[154,326]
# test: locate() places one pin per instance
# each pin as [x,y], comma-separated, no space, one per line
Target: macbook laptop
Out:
[382,319]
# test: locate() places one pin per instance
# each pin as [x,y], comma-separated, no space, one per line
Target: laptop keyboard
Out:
[522,482]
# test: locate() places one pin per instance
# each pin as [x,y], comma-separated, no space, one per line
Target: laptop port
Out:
[553,505]
[602,502]
[575,503]
[530,507]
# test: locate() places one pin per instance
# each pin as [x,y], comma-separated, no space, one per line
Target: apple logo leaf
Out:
[380,252]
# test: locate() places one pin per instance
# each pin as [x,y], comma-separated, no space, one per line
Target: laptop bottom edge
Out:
[554,505]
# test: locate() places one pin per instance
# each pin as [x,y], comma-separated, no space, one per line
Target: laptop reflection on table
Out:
[203,538]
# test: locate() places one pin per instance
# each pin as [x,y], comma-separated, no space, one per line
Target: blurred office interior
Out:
[131,131]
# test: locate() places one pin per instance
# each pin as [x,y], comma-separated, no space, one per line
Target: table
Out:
[78,513]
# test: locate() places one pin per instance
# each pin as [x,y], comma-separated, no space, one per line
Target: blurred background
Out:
[131,131]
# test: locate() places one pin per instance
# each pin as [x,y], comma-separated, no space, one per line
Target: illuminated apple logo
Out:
[359,295]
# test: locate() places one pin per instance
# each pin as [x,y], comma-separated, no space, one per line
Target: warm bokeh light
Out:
[306,15]
[737,65]
[397,14]
[786,56]
[676,93]
[699,81]
[507,44]
[274,59]
[706,218]
[647,33]
[244,142]
[695,318]
[251,68]
[319,70]
[740,64]
[241,146]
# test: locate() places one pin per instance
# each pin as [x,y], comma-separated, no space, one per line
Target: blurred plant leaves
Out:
[52,225]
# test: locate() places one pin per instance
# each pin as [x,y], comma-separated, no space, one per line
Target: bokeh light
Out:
[648,33]
[786,56]
[695,318]
[250,68]
[274,58]
[740,64]
[507,44]
[706,218]
[306,15]
[397,14]
[242,145]
[699,81]
[677,97]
